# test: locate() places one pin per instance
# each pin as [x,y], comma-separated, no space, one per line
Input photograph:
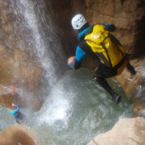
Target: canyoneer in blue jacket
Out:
[108,53]
[17,114]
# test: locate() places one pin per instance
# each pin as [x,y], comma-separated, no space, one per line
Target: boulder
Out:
[126,131]
[15,135]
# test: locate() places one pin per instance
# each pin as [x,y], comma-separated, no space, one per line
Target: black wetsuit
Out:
[18,115]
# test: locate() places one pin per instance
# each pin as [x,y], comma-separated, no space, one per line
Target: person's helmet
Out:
[13,112]
[78,21]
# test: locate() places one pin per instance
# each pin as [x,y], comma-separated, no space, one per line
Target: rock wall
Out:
[134,85]
[16,135]
[127,15]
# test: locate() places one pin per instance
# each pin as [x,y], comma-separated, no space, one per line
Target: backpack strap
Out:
[115,41]
[106,51]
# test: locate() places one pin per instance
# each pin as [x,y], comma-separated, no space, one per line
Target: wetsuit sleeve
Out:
[17,108]
[109,27]
[79,56]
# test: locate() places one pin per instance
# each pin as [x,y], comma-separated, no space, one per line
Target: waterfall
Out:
[41,49]
[42,40]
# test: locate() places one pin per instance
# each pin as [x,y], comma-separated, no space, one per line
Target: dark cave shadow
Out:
[139,37]
[139,41]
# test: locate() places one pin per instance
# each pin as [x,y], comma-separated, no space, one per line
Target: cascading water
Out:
[44,40]
[39,38]
[77,108]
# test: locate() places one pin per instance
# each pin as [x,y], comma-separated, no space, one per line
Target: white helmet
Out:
[78,21]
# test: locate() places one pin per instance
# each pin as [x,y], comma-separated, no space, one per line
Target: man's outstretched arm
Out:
[75,61]
[17,108]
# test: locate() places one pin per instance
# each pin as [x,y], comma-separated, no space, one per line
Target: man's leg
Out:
[106,86]
[131,69]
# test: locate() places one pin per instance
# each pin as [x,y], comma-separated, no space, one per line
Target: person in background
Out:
[17,114]
[108,53]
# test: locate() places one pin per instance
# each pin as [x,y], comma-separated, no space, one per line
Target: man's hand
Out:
[13,104]
[70,60]
[12,89]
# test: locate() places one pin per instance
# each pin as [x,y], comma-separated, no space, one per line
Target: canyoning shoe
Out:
[116,98]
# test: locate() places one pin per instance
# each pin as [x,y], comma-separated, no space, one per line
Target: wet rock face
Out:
[14,136]
[134,85]
[131,6]
[127,15]
[125,131]
[15,69]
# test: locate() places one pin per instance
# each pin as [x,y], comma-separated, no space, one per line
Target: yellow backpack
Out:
[110,53]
